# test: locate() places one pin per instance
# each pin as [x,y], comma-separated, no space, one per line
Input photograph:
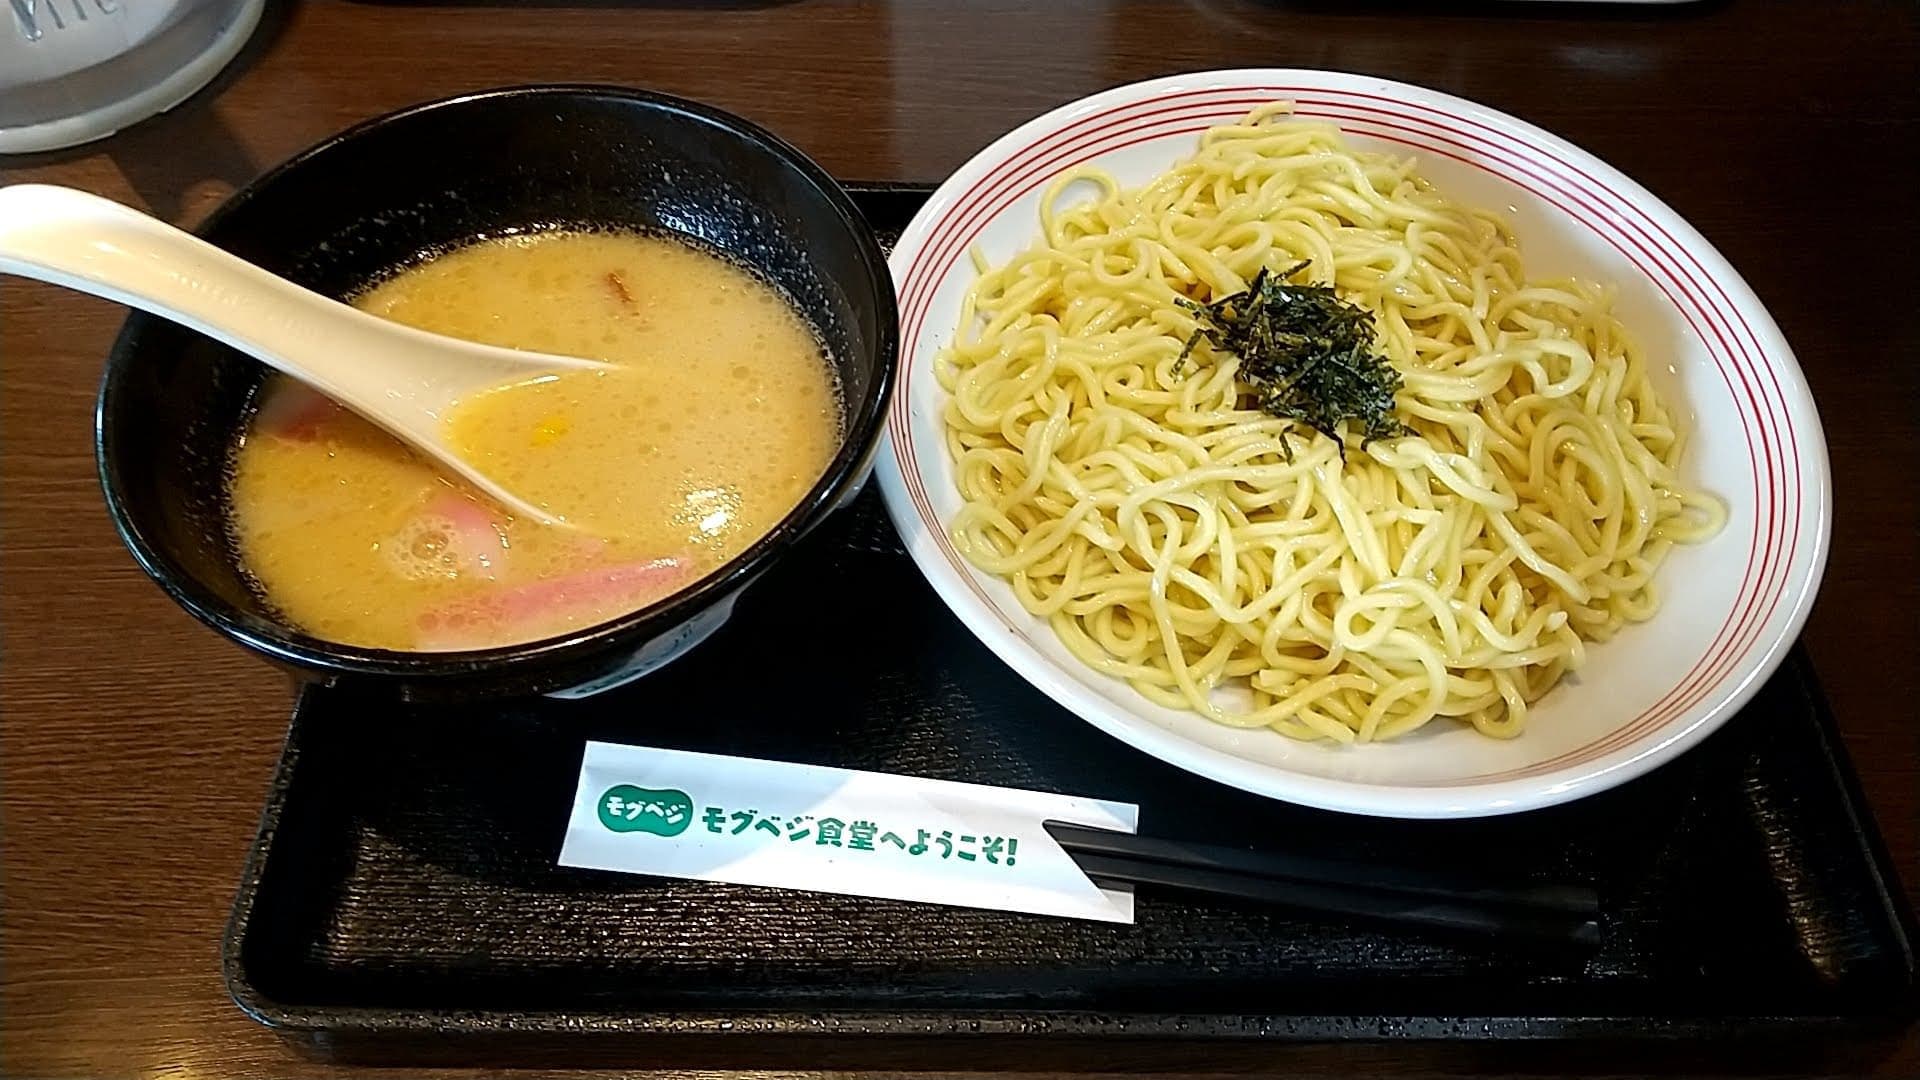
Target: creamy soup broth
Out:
[721,414]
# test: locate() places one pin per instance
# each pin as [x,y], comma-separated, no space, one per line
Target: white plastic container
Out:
[72,71]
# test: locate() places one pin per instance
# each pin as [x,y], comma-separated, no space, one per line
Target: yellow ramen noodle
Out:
[721,415]
[1150,512]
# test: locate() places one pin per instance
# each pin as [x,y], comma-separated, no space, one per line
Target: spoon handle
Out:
[84,242]
[397,376]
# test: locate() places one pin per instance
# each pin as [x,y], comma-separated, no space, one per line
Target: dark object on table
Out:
[1380,893]
[403,902]
[384,194]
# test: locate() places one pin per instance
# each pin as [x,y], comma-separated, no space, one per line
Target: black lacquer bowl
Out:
[381,195]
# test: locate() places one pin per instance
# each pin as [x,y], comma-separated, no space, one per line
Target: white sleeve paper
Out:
[675,813]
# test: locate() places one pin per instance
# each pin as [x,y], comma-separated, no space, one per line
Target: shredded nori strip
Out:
[1305,355]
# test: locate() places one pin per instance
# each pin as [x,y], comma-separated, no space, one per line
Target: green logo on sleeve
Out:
[665,812]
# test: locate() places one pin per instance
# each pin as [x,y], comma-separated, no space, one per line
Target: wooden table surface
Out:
[137,745]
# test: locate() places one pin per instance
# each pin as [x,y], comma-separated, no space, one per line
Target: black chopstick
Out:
[1397,894]
[1572,899]
[1400,908]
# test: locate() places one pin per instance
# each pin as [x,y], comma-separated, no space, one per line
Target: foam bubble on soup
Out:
[721,413]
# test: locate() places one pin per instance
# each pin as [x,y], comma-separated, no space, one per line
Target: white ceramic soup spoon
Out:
[403,379]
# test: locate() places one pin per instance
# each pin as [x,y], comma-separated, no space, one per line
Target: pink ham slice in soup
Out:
[542,608]
[295,411]
[452,536]
[475,541]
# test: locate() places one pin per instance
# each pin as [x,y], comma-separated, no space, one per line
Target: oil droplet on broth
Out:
[658,459]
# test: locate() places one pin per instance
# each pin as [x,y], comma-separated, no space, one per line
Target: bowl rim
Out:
[864,429]
[1650,748]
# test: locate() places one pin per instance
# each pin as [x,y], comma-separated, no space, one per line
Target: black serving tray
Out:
[402,900]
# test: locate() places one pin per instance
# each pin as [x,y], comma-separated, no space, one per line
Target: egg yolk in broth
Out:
[719,416]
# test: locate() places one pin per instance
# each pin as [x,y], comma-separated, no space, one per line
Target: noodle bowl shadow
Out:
[399,188]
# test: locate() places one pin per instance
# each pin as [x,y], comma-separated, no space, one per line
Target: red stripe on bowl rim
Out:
[1705,678]
[1726,651]
[1401,140]
[1536,193]
[990,196]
